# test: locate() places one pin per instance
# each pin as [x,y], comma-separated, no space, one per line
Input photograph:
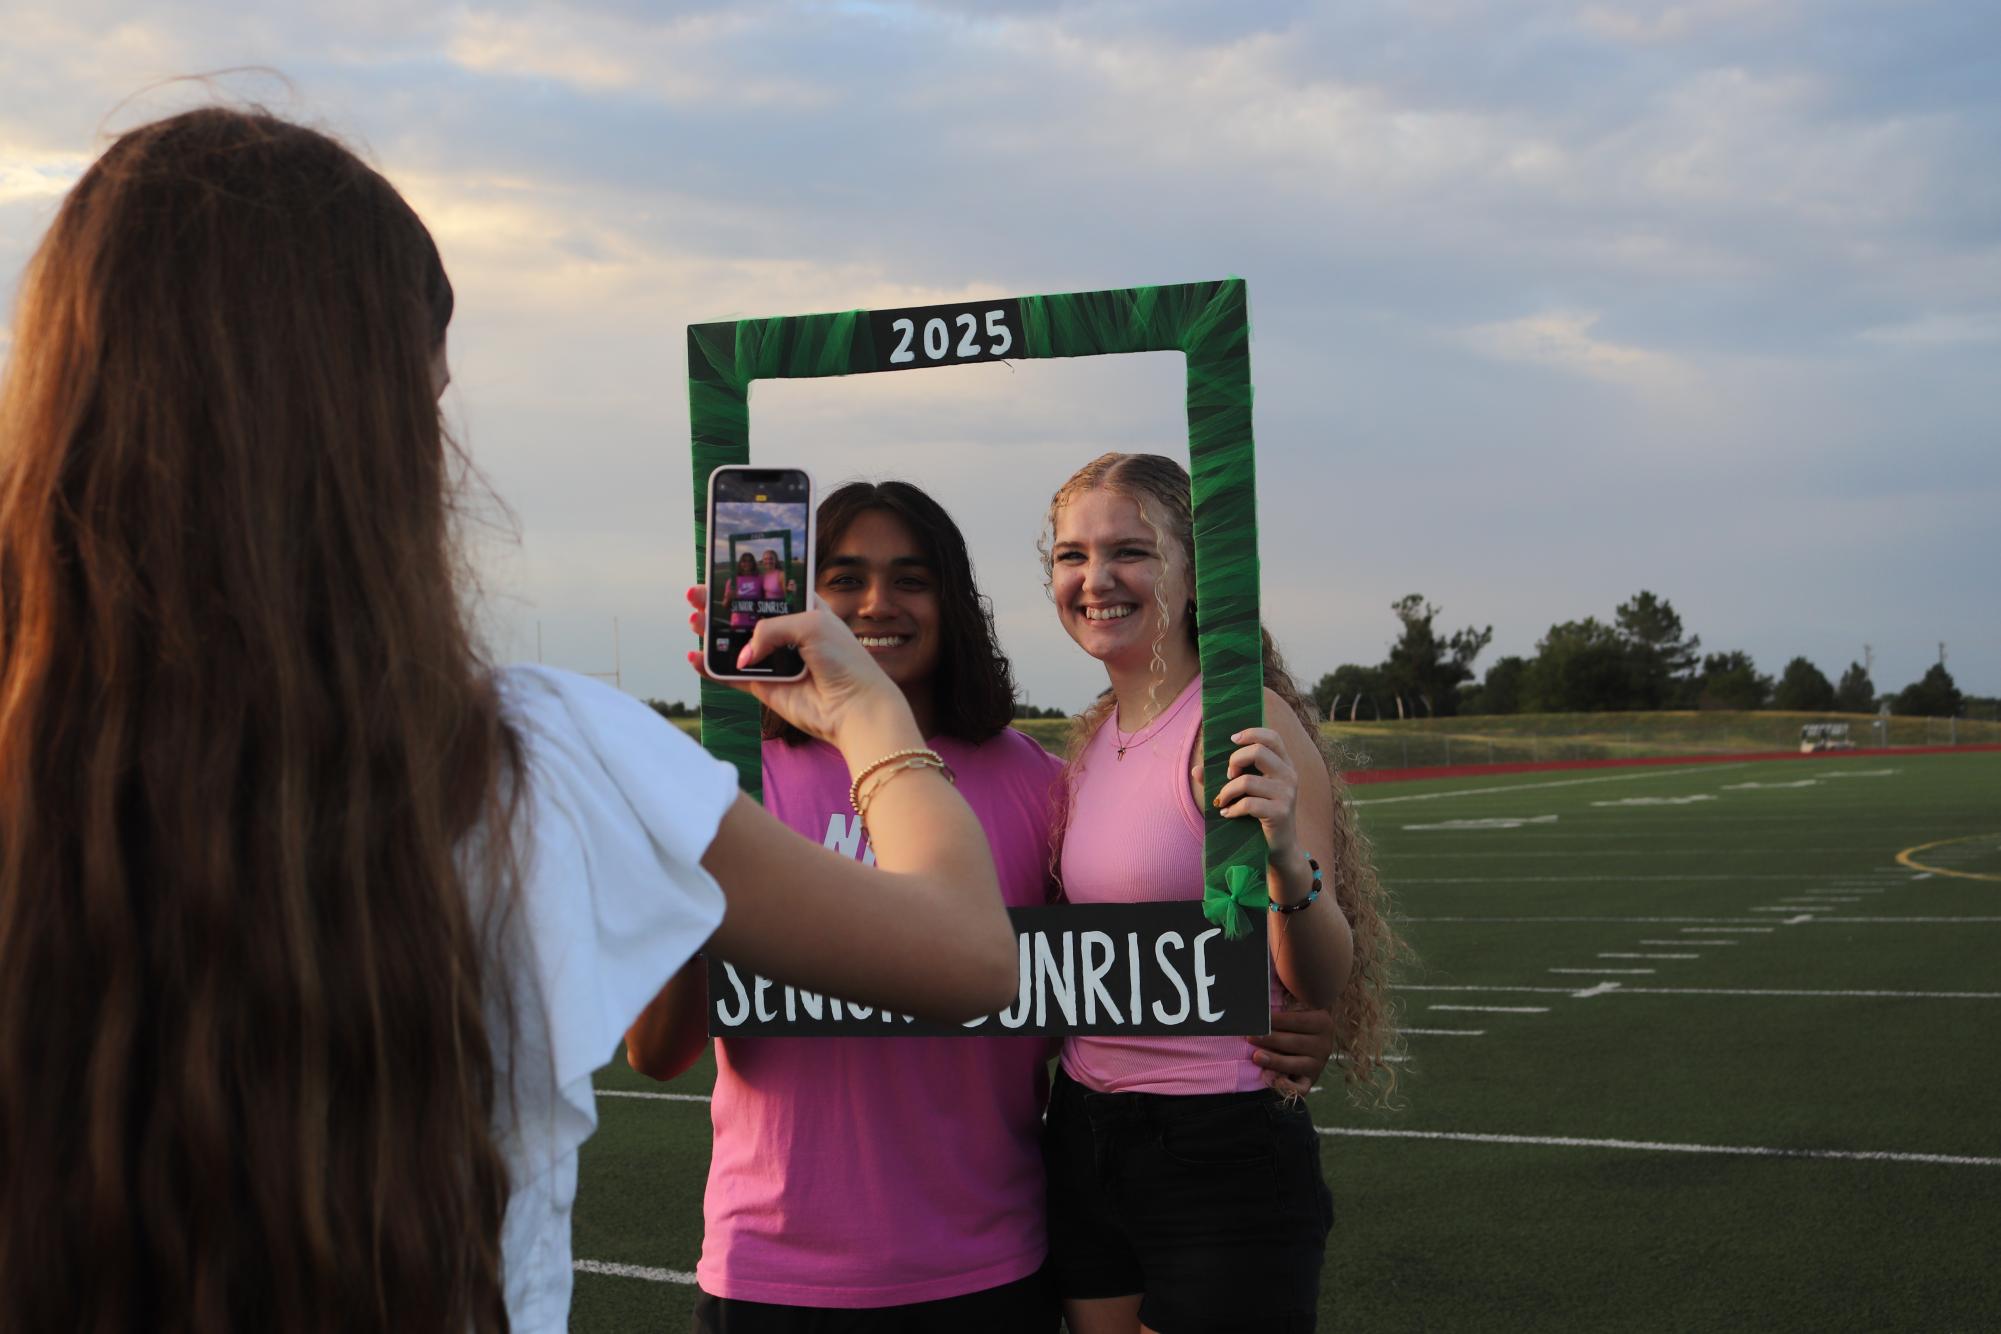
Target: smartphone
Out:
[760,564]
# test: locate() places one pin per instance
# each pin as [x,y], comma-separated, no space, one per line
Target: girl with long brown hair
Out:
[312,924]
[1184,1195]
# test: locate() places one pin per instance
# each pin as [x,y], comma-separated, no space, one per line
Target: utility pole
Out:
[617,670]
[1869,661]
[538,641]
[1941,653]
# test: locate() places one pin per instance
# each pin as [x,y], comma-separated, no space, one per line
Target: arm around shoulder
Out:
[673,1029]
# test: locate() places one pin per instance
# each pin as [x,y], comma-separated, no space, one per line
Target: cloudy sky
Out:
[1551,301]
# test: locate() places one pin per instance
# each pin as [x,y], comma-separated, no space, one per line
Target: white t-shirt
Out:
[619,810]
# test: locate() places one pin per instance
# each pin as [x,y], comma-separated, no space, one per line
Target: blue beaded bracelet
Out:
[1312,894]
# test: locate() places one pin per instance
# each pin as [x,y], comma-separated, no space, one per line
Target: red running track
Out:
[1353,776]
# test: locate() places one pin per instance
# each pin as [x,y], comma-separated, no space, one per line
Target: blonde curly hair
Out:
[1365,1027]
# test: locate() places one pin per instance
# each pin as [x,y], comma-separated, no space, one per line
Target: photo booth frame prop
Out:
[783,536]
[1209,324]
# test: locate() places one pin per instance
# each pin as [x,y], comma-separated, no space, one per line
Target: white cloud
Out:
[678,60]
[1651,24]
[1562,340]
[29,175]
[1938,330]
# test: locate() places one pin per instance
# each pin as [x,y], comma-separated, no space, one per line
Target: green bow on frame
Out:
[1242,891]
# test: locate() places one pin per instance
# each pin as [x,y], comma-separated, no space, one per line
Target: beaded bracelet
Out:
[1311,894]
[889,773]
[855,788]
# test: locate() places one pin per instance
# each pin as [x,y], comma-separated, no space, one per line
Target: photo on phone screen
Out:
[760,562]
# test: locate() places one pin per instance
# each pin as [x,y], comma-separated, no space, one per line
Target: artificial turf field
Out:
[1689,1049]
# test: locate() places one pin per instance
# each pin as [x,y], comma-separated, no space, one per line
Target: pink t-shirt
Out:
[1135,836]
[745,590]
[773,582]
[863,1172]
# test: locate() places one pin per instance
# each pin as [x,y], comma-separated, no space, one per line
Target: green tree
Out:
[675,709]
[1663,658]
[1803,689]
[1932,696]
[1579,667]
[1856,693]
[1424,666]
[1340,689]
[1731,681]
[1501,692]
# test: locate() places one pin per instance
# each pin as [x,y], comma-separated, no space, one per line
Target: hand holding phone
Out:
[840,685]
[760,557]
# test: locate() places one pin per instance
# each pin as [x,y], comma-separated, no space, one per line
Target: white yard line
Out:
[1731,930]
[656,1097]
[1712,991]
[1499,1009]
[1606,972]
[651,1275]
[1602,879]
[1603,955]
[1691,942]
[1652,1146]
[1592,919]
[1936,921]
[1663,772]
[1445,1032]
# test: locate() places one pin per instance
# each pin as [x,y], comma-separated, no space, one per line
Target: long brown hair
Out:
[245,1077]
[1364,1019]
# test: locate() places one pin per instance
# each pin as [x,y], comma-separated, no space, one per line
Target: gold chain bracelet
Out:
[889,772]
[855,788]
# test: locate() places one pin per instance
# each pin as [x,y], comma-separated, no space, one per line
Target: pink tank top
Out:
[1135,835]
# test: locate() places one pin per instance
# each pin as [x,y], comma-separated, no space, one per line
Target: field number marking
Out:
[1652,1146]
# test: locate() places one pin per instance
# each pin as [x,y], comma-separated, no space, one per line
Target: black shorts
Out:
[1025,1306]
[1212,1206]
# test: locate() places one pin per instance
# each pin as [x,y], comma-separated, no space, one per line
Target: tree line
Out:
[1644,658]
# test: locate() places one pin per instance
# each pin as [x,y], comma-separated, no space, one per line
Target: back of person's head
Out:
[973,687]
[245,1081]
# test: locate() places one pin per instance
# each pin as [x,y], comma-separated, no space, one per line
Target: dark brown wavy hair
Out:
[973,686]
[245,1077]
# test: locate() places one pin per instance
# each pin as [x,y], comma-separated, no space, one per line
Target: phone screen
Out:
[760,562]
